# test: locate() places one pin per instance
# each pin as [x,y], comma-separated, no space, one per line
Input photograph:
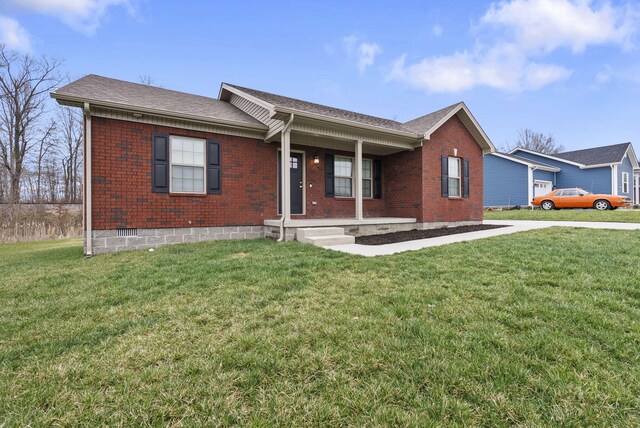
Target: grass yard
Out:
[622,216]
[538,328]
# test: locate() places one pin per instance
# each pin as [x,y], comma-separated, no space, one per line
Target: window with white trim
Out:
[343,170]
[187,165]
[455,177]
[343,177]
[625,182]
[367,178]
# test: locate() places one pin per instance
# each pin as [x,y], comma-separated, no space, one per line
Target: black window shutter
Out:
[377,179]
[213,168]
[328,175]
[445,176]
[160,164]
[465,182]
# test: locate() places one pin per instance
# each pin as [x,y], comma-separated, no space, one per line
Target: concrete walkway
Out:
[513,226]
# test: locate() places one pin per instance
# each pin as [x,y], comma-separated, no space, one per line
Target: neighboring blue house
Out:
[515,178]
[511,180]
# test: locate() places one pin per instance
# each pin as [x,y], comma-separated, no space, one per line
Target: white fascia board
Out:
[600,165]
[545,156]
[523,162]
[251,98]
[632,157]
[77,101]
[462,106]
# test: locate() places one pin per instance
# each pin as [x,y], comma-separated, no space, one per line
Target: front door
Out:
[296,168]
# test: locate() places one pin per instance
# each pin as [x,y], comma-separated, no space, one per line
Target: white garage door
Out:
[541,188]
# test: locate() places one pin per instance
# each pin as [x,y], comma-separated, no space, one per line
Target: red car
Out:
[579,198]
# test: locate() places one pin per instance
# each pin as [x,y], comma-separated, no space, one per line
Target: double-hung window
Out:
[343,176]
[625,182]
[455,179]
[187,165]
[367,178]
[344,172]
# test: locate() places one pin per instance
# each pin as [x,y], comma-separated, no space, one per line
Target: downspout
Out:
[284,165]
[87,175]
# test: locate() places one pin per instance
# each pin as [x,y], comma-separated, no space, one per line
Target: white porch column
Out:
[358,178]
[286,174]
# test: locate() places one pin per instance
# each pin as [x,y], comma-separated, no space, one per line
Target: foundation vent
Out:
[127,232]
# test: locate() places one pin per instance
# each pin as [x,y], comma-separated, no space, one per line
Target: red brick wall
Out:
[330,207]
[401,184]
[436,208]
[122,196]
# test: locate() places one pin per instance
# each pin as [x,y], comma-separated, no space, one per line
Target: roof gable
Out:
[430,123]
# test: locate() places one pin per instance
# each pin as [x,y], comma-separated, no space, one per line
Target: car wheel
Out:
[547,205]
[601,205]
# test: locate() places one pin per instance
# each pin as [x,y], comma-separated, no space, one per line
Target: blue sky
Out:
[568,67]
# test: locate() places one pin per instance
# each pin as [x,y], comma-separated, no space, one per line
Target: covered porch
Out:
[313,188]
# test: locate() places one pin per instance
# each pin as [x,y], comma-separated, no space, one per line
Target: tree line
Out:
[40,143]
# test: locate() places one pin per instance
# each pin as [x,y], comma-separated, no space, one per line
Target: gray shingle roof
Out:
[596,155]
[305,106]
[424,123]
[529,161]
[103,89]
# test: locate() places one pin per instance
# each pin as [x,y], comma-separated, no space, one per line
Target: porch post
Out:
[286,174]
[358,178]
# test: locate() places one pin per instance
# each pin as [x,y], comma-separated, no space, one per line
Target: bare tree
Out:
[24,85]
[536,141]
[46,151]
[148,80]
[70,140]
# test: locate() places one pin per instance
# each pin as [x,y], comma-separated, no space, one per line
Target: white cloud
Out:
[13,35]
[465,70]
[437,30]
[528,30]
[366,55]
[82,15]
[545,25]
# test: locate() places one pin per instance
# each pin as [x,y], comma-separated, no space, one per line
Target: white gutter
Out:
[284,164]
[87,173]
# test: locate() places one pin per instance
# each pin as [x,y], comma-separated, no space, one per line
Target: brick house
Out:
[163,166]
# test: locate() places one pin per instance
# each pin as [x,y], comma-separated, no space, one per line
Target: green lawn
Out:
[623,216]
[538,328]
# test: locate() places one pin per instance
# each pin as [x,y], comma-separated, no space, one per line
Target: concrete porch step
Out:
[326,240]
[306,232]
[323,236]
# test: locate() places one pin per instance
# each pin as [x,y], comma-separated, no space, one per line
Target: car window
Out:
[560,193]
[583,192]
[571,192]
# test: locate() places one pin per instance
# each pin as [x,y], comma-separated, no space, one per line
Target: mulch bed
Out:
[410,235]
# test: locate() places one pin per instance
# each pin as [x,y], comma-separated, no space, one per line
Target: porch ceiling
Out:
[315,140]
[316,133]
